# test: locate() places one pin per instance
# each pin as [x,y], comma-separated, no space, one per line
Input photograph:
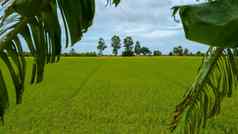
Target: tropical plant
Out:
[39,24]
[116,44]
[213,23]
[101,46]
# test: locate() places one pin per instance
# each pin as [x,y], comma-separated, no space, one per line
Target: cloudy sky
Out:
[148,21]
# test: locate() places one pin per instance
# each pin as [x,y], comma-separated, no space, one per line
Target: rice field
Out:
[110,95]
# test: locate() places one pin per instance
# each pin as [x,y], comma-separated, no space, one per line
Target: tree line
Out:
[131,48]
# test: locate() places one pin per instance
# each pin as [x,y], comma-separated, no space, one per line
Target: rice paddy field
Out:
[109,95]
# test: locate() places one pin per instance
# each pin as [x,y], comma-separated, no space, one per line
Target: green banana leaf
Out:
[213,23]
[37,22]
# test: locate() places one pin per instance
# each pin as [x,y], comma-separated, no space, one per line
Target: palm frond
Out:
[216,79]
[115,2]
[39,25]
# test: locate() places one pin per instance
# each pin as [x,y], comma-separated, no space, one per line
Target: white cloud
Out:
[149,21]
[159,34]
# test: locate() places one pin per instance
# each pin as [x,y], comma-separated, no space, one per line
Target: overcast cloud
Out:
[148,21]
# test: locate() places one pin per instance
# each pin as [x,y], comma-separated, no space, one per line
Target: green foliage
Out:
[216,79]
[101,46]
[85,54]
[178,51]
[128,44]
[116,44]
[115,2]
[199,53]
[37,23]
[157,53]
[4,101]
[145,51]
[213,23]
[186,52]
[137,48]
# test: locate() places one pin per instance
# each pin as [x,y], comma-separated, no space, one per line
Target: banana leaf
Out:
[37,22]
[213,23]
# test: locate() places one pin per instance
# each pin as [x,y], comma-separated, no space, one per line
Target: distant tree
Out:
[186,52]
[178,50]
[84,54]
[101,46]
[137,48]
[72,51]
[145,51]
[157,53]
[170,54]
[116,44]
[199,53]
[128,44]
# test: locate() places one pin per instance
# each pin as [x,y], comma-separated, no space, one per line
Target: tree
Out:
[128,44]
[145,51]
[116,44]
[217,77]
[170,54]
[157,53]
[37,22]
[186,52]
[199,53]
[137,48]
[101,46]
[178,51]
[72,51]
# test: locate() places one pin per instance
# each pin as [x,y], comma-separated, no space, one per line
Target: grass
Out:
[110,96]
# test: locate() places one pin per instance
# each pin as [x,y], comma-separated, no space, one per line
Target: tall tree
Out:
[137,48]
[128,44]
[101,46]
[37,22]
[116,44]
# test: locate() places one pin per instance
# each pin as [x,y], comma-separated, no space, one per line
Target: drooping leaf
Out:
[4,102]
[216,79]
[213,23]
[36,23]
[79,15]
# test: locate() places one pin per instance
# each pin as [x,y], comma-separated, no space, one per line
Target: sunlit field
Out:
[110,95]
